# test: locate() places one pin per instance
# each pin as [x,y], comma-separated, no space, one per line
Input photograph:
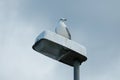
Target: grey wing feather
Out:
[68,33]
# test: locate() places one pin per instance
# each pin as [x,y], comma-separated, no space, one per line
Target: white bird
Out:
[62,29]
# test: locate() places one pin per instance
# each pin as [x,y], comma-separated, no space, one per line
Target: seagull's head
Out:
[63,19]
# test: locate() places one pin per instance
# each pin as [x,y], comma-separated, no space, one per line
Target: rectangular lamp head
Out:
[59,48]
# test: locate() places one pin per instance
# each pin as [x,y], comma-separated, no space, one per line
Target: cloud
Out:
[94,24]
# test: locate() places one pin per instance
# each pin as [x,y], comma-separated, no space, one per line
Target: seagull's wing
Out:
[68,33]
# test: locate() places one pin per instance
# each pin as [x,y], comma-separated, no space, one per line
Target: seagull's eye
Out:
[61,19]
[65,19]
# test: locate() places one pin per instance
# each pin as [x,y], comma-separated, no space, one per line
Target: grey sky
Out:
[92,23]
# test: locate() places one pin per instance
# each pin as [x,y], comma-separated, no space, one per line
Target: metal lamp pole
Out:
[76,70]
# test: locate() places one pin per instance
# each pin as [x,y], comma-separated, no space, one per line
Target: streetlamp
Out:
[61,49]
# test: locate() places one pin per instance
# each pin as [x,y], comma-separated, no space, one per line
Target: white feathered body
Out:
[62,30]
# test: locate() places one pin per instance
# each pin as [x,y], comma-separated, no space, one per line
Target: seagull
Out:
[62,29]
